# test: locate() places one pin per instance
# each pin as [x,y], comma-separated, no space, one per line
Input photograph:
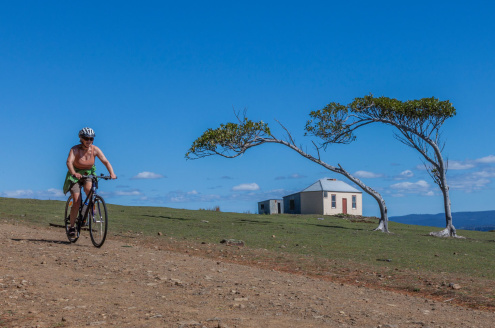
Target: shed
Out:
[327,197]
[271,206]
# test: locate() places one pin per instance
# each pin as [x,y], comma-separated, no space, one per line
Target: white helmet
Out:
[87,132]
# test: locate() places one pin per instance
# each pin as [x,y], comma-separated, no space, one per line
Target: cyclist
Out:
[81,161]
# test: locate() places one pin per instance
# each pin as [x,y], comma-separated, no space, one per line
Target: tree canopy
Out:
[233,139]
[417,124]
[229,140]
[336,123]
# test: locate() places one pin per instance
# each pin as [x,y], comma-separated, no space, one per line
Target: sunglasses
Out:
[88,139]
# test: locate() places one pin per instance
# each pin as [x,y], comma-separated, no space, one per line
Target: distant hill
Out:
[480,221]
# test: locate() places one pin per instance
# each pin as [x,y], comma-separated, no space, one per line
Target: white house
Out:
[326,197]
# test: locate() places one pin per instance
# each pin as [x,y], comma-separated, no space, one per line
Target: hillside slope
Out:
[481,221]
[47,282]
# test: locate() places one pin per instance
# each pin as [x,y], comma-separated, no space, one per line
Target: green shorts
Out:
[70,181]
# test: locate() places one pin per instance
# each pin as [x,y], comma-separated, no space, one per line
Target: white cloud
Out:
[190,196]
[486,173]
[410,185]
[472,181]
[420,187]
[148,175]
[51,193]
[454,165]
[55,192]
[127,193]
[194,196]
[468,183]
[457,165]
[407,174]
[420,167]
[292,176]
[246,187]
[486,160]
[18,193]
[367,175]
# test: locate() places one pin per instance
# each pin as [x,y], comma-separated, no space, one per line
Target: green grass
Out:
[408,247]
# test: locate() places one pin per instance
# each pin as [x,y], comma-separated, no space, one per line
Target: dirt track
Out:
[46,282]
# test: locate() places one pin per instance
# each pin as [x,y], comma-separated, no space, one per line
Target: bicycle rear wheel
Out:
[68,207]
[98,222]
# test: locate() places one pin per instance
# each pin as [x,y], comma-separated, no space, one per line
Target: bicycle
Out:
[92,213]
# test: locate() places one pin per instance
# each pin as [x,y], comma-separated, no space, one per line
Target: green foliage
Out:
[329,124]
[393,109]
[335,123]
[228,138]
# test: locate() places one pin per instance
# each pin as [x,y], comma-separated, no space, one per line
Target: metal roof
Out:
[331,185]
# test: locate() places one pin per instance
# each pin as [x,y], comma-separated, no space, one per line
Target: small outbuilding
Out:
[271,206]
[325,197]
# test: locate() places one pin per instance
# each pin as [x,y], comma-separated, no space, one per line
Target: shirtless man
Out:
[81,161]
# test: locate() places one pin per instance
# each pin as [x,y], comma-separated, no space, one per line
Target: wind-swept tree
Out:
[233,139]
[417,124]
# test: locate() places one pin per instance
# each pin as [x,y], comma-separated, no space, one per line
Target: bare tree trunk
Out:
[438,173]
[441,180]
[448,213]
[383,223]
[449,230]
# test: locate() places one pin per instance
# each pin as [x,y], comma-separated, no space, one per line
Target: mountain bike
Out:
[92,214]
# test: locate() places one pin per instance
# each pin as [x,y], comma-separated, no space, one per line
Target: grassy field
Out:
[341,248]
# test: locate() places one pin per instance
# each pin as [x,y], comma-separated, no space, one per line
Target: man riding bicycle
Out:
[81,161]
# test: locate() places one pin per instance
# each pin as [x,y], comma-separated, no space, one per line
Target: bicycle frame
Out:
[91,196]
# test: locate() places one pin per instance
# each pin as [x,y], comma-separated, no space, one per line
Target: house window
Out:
[334,201]
[292,204]
[262,207]
[354,205]
[325,194]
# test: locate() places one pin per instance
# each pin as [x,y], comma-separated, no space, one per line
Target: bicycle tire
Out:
[98,221]
[68,206]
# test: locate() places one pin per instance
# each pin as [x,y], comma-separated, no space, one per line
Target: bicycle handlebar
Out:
[92,176]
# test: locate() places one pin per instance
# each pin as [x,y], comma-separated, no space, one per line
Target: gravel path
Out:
[46,282]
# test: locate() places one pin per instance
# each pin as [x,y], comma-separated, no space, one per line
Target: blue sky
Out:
[151,76]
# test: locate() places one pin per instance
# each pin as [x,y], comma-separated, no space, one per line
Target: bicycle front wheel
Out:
[98,222]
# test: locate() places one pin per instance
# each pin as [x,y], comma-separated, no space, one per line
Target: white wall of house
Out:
[338,208]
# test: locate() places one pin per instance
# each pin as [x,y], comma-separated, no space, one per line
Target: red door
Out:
[344,205]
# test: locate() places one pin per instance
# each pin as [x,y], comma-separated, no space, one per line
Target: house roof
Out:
[331,185]
[271,199]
